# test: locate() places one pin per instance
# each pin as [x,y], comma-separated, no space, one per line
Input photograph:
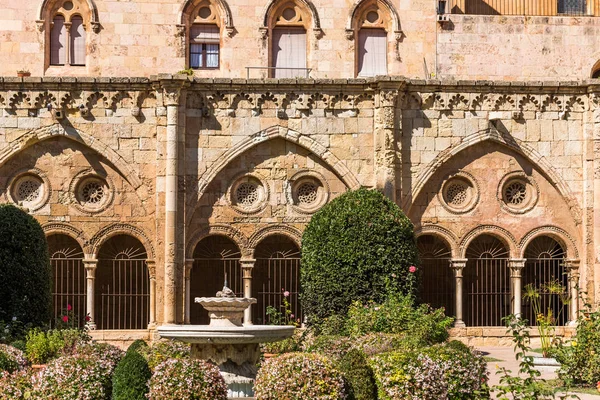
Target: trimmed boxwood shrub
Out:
[25,273]
[180,379]
[130,380]
[139,346]
[359,247]
[299,376]
[359,375]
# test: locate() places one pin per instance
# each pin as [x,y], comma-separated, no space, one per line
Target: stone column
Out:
[386,156]
[247,267]
[457,265]
[151,264]
[90,264]
[189,264]
[572,267]
[516,266]
[171,95]
[68,43]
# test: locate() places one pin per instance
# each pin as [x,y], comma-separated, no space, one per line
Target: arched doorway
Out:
[487,285]
[544,266]
[68,272]
[122,285]
[437,285]
[214,256]
[276,271]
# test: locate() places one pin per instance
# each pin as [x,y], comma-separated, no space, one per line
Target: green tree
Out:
[25,273]
[359,247]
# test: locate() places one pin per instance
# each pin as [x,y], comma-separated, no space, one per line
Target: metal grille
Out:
[437,285]
[277,270]
[69,287]
[545,264]
[487,288]
[214,257]
[122,285]
[518,7]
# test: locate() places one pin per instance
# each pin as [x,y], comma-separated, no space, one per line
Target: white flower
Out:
[14,318]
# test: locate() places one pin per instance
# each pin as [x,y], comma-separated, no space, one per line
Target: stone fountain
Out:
[226,341]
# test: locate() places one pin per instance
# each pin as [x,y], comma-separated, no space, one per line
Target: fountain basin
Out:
[225,311]
[206,334]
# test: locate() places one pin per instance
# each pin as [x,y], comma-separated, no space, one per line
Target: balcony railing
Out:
[525,7]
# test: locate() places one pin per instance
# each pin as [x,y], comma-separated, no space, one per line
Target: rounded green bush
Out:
[359,375]
[137,345]
[130,380]
[359,247]
[299,376]
[25,273]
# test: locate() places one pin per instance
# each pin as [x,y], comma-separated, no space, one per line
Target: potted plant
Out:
[23,72]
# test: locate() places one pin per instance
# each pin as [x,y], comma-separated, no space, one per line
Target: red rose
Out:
[65,318]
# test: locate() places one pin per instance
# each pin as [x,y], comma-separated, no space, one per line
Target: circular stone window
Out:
[372,16]
[248,195]
[289,14]
[459,193]
[68,5]
[29,190]
[205,12]
[307,192]
[92,193]
[517,193]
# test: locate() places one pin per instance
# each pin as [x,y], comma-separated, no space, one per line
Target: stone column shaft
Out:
[247,267]
[457,265]
[189,264]
[152,272]
[516,267]
[90,264]
[573,271]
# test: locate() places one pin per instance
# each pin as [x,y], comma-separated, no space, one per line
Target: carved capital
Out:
[189,264]
[171,95]
[229,31]
[41,25]
[151,264]
[350,34]
[516,265]
[264,32]
[457,265]
[387,98]
[90,265]
[572,267]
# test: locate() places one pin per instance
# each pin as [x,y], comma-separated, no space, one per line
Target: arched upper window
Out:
[204,33]
[67,23]
[374,25]
[596,70]
[288,23]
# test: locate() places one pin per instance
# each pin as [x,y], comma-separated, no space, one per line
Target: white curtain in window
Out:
[372,52]
[204,40]
[289,51]
[58,37]
[196,56]
[77,41]
[212,55]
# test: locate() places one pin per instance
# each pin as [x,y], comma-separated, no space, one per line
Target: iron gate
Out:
[437,284]
[487,285]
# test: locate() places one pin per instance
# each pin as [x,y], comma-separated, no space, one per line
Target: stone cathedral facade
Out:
[153,185]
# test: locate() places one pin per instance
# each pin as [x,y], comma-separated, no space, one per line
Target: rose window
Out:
[307,193]
[92,192]
[457,194]
[29,189]
[515,193]
[247,194]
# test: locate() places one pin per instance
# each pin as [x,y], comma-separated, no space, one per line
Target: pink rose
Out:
[65,318]
[291,315]
[69,308]
[412,269]
[286,294]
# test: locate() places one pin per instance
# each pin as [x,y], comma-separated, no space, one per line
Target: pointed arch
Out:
[224,11]
[316,22]
[274,132]
[499,233]
[120,229]
[387,4]
[55,131]
[560,235]
[45,5]
[217,230]
[511,143]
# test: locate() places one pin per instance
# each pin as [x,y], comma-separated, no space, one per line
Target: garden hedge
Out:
[359,247]
[25,275]
[130,379]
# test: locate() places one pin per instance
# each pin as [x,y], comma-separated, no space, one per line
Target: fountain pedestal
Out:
[226,342]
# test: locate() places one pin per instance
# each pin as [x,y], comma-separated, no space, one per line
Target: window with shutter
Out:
[204,46]
[289,52]
[77,41]
[58,37]
[372,52]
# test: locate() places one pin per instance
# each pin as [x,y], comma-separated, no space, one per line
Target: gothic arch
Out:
[385,3]
[441,233]
[316,22]
[46,4]
[500,233]
[294,234]
[560,235]
[224,11]
[276,131]
[54,131]
[62,228]
[221,230]
[505,140]
[119,229]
